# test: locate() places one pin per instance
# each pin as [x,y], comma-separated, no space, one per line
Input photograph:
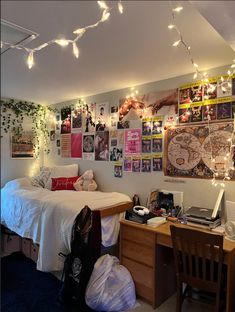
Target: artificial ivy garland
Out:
[12,119]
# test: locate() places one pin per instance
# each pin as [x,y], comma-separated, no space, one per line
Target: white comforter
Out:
[47,217]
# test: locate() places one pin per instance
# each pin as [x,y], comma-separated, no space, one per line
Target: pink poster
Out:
[76,145]
[132,141]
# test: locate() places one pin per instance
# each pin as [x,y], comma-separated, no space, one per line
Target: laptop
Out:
[206,213]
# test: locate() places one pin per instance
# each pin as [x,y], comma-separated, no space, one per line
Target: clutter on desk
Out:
[156,221]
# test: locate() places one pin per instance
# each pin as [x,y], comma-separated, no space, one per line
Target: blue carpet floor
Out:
[24,289]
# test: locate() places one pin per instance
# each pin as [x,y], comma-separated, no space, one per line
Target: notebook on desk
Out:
[206,213]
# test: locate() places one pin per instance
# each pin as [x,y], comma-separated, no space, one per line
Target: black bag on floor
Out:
[85,250]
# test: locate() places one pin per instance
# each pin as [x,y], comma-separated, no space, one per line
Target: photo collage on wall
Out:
[197,103]
[103,132]
[131,133]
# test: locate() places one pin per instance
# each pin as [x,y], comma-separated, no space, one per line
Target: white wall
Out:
[196,191]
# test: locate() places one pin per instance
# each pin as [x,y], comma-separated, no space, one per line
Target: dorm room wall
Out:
[196,191]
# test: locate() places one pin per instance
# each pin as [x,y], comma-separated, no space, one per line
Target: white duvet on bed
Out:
[47,217]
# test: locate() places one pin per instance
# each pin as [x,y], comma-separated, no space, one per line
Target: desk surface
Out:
[164,229]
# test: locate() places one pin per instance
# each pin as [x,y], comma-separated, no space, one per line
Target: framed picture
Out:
[152,200]
[22,145]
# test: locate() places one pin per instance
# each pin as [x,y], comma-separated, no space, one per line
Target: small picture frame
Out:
[152,199]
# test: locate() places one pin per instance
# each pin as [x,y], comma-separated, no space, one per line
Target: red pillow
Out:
[59,184]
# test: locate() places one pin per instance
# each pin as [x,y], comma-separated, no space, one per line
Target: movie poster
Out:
[136,163]
[102,116]
[88,118]
[65,145]
[157,162]
[127,164]
[102,145]
[76,145]
[146,164]
[118,170]
[132,139]
[65,120]
[146,144]
[77,118]
[116,145]
[88,147]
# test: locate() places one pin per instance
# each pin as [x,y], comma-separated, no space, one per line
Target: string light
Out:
[30,60]
[75,50]
[224,83]
[65,42]
[120,7]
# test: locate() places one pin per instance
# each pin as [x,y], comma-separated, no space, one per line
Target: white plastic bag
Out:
[110,287]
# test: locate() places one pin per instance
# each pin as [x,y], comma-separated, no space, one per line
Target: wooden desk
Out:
[147,253]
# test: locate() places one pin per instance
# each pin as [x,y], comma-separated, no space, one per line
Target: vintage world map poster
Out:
[192,151]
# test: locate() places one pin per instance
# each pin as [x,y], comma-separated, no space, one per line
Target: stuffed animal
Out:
[85,182]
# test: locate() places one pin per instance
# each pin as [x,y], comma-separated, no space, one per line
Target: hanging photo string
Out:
[225,85]
[79,32]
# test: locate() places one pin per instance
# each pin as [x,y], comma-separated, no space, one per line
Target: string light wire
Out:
[79,32]
[224,83]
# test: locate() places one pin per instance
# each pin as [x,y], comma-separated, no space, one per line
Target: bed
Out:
[47,217]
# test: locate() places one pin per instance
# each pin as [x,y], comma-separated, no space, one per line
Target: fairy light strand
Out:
[224,84]
[79,32]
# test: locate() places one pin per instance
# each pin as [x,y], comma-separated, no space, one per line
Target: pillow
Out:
[62,171]
[59,184]
[41,179]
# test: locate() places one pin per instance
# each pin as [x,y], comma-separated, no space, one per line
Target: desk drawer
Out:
[143,277]
[138,252]
[138,235]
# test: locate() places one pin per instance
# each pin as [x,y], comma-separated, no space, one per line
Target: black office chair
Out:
[198,261]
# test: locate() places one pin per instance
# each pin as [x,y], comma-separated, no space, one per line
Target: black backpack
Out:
[85,250]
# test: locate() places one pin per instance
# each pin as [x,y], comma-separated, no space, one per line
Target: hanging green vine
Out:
[12,119]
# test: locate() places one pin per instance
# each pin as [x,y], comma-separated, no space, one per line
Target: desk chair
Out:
[198,260]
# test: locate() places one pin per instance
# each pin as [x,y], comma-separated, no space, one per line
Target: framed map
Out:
[190,151]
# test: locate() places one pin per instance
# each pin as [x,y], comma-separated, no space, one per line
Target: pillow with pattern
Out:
[59,184]
[41,179]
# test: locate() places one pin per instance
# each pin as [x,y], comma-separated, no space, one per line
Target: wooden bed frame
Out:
[12,242]
[115,209]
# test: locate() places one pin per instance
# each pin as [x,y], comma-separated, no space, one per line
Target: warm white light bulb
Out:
[178,9]
[1,44]
[233,66]
[120,7]
[75,50]
[105,16]
[195,76]
[171,26]
[102,4]
[229,72]
[176,43]
[30,60]
[79,31]
[195,65]
[62,42]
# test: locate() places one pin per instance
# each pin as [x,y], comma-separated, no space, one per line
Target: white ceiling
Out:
[127,50]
